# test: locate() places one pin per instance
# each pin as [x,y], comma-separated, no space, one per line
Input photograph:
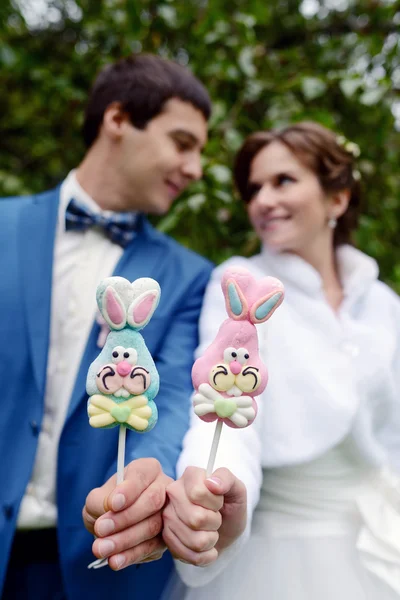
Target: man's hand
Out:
[127,518]
[203,516]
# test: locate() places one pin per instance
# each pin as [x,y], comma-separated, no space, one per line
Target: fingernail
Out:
[215,480]
[120,560]
[105,527]
[106,547]
[118,502]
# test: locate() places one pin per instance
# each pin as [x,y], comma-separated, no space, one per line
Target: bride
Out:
[319,463]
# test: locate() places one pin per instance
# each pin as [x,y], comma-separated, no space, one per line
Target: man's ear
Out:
[114,120]
[339,201]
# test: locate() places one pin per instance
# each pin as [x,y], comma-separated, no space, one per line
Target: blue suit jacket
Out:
[87,456]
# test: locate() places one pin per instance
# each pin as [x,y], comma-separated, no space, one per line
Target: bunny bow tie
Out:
[119,227]
[104,412]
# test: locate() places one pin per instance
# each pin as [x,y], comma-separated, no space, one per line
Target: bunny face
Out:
[123,368]
[123,380]
[232,364]
[230,373]
[123,376]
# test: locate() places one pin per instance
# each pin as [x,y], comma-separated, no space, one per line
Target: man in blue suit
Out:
[145,127]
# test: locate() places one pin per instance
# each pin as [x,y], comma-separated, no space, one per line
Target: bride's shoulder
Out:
[385,299]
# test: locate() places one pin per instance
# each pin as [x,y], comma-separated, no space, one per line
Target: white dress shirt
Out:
[330,376]
[81,260]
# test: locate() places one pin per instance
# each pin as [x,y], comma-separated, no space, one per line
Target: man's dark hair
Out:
[142,83]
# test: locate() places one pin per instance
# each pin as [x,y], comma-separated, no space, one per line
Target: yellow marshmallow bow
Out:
[104,412]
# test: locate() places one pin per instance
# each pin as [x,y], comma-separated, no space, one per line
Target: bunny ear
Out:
[142,308]
[236,304]
[263,308]
[112,309]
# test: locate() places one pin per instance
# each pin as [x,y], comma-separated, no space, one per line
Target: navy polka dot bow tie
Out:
[119,227]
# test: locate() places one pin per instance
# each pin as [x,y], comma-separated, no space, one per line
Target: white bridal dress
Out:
[311,540]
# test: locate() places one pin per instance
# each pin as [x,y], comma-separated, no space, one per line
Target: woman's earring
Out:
[332,222]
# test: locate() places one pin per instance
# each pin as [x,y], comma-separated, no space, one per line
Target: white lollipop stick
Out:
[214,448]
[121,453]
[97,564]
[102,562]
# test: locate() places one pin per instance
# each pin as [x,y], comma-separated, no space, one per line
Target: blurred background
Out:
[265,63]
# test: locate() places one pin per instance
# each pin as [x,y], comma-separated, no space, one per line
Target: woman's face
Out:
[288,208]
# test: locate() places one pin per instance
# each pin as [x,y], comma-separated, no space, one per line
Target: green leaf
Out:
[245,61]
[196,202]
[349,86]
[233,138]
[168,13]
[372,96]
[220,173]
[313,87]
[7,56]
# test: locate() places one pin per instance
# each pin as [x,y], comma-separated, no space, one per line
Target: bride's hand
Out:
[203,516]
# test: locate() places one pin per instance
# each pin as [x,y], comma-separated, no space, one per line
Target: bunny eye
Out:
[117,354]
[230,354]
[242,355]
[130,355]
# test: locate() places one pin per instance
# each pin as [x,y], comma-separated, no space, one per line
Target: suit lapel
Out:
[36,242]
[144,257]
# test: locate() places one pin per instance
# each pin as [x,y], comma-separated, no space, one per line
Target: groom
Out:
[145,127]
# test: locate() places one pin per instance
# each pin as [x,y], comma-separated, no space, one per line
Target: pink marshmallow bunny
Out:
[231,373]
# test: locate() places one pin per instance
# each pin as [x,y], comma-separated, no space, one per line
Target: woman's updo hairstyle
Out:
[329,156]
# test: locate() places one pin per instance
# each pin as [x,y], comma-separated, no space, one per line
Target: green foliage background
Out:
[265,64]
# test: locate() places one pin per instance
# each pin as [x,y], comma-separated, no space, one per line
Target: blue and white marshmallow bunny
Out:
[123,381]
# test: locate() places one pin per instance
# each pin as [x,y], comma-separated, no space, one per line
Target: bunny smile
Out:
[234,391]
[130,380]
[234,377]
[122,392]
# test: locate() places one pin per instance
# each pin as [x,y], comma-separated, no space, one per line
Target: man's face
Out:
[156,164]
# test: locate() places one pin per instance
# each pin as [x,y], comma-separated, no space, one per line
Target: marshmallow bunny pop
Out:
[230,373]
[123,380]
